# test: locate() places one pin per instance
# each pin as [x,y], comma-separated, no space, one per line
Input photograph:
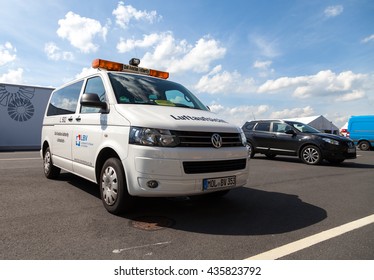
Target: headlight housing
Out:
[152,137]
[331,141]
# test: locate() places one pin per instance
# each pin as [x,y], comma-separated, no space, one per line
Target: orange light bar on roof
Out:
[116,66]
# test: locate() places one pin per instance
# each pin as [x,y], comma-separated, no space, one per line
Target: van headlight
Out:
[331,141]
[152,137]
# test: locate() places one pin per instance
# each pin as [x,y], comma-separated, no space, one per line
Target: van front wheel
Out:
[113,189]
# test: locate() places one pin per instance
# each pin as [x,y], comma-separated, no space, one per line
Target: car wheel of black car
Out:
[311,155]
[364,145]
[251,152]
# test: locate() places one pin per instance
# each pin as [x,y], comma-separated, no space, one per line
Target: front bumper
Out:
[166,167]
[339,152]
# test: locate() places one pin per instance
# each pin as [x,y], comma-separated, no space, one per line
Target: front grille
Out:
[203,139]
[195,167]
[350,144]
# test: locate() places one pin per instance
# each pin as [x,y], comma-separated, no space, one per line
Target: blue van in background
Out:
[361,131]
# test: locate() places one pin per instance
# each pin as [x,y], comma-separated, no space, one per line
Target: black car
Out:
[282,137]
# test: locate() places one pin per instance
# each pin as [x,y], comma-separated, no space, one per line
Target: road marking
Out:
[13,159]
[117,251]
[312,240]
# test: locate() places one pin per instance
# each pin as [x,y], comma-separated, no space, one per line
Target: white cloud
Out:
[333,11]
[130,44]
[54,52]
[281,83]
[173,55]
[124,14]
[199,57]
[368,39]
[7,53]
[85,72]
[324,83]
[263,65]
[81,31]
[292,113]
[218,81]
[265,47]
[12,77]
[239,115]
[354,95]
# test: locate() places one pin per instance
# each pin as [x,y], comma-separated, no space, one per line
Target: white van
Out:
[135,133]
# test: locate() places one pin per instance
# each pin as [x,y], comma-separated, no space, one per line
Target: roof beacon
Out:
[132,67]
[134,61]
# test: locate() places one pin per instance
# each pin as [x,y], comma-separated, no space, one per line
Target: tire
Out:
[113,188]
[311,155]
[251,152]
[364,146]
[50,171]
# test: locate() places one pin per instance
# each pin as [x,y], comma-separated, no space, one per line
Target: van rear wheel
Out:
[50,171]
[364,145]
[113,188]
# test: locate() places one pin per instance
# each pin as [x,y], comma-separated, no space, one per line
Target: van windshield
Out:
[137,89]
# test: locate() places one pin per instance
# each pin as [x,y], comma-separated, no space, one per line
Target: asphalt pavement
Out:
[284,202]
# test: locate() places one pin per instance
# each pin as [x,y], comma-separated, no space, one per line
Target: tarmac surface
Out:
[285,201]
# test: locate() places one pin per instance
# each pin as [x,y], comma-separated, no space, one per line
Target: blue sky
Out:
[245,59]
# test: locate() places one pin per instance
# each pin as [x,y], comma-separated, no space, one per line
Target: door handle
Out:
[70,119]
[78,119]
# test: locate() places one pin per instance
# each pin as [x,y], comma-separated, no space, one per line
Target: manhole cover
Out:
[152,223]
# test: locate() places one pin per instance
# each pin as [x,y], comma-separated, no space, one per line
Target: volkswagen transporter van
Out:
[135,133]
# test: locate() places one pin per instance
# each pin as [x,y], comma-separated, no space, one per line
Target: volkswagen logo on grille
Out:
[216,140]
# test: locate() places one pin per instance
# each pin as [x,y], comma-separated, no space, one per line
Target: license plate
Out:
[215,183]
[351,150]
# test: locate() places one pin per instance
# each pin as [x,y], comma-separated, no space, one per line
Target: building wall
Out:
[21,115]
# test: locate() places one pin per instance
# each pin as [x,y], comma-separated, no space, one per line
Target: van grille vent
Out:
[195,167]
[203,139]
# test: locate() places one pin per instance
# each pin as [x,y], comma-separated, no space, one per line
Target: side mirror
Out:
[93,100]
[290,131]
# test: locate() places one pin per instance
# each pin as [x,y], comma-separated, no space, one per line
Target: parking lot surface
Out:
[284,201]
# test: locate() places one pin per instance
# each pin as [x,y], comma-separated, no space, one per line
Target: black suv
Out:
[282,137]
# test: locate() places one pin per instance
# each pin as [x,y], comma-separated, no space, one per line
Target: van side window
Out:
[263,126]
[64,101]
[94,85]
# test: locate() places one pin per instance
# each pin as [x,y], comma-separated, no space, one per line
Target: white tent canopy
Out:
[318,122]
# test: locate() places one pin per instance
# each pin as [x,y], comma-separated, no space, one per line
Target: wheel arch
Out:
[105,154]
[45,146]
